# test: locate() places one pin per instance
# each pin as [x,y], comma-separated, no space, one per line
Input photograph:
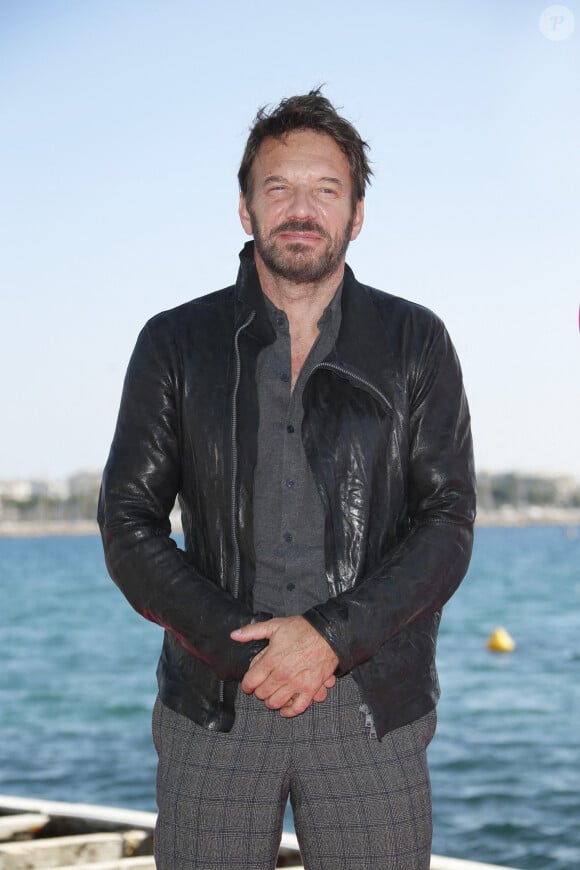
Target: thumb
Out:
[253,631]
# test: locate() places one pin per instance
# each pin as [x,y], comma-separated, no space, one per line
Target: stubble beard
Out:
[297,262]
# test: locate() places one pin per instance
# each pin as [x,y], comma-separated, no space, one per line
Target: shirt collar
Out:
[329,317]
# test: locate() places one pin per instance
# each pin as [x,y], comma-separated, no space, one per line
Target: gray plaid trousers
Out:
[358,802]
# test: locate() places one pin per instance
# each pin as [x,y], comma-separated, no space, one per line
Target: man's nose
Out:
[302,204]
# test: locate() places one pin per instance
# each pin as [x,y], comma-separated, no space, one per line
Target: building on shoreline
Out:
[41,501]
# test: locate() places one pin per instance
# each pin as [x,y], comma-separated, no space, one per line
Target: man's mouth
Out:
[300,231]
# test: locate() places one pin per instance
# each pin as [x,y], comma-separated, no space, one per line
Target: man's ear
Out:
[245,215]
[359,217]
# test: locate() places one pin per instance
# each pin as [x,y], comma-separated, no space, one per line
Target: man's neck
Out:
[303,304]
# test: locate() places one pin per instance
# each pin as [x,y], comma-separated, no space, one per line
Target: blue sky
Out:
[121,130]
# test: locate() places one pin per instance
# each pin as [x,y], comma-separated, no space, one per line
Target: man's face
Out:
[300,208]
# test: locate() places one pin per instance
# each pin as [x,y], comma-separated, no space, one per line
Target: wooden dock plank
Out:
[65,851]
[143,863]
[22,823]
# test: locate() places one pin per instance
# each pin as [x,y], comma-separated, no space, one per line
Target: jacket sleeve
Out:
[140,483]
[423,571]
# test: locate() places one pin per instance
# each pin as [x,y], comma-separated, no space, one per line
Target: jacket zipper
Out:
[234,490]
[234,433]
[353,376]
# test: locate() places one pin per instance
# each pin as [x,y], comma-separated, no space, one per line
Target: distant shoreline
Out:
[56,528]
[509,516]
[529,516]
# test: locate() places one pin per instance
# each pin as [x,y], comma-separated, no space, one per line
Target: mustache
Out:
[300,227]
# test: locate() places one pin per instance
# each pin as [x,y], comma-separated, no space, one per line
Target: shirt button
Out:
[290,429]
[290,587]
[280,320]
[290,484]
[288,537]
[285,377]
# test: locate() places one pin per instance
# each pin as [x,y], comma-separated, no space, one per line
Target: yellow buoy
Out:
[501,640]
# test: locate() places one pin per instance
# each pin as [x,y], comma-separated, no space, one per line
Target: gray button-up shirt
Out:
[288,511]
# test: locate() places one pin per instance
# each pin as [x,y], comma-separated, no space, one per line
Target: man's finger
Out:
[282,697]
[253,631]
[297,705]
[257,658]
[257,675]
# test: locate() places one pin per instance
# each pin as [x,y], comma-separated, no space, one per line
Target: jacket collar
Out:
[361,329]
[361,326]
[250,299]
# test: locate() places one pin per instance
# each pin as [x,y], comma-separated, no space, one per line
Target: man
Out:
[317,436]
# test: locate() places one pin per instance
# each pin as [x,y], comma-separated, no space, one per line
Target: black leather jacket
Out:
[387,435]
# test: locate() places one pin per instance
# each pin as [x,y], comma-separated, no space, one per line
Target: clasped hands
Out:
[295,669]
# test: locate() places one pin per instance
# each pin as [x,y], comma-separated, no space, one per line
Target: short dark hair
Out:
[311,111]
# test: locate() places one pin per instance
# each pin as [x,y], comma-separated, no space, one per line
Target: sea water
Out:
[77,683]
